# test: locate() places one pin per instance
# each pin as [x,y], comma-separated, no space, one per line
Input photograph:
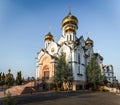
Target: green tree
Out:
[93,73]
[63,73]
[2,79]
[19,78]
[9,78]
[0,76]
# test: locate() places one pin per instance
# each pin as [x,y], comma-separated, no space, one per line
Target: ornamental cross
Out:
[69,8]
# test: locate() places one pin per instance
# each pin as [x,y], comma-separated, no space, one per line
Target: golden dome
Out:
[69,19]
[49,37]
[69,29]
[88,41]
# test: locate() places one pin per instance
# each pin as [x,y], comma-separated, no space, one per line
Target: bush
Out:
[9,100]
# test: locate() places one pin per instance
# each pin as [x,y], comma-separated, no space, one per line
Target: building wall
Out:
[109,73]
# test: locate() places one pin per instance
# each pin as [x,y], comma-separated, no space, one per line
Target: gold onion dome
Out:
[69,19]
[89,41]
[49,36]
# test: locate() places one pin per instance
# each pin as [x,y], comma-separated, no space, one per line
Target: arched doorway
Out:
[46,72]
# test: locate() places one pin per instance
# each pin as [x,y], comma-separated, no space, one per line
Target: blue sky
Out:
[24,23]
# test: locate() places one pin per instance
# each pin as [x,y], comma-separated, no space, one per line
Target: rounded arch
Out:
[46,68]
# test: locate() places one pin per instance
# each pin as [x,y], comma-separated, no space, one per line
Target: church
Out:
[78,53]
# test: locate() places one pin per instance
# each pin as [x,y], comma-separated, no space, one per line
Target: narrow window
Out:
[70,37]
[67,38]
[79,69]
[78,58]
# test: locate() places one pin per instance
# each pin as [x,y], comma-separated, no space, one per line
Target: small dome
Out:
[89,41]
[49,37]
[69,19]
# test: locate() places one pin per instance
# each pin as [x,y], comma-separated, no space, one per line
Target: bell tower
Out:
[48,39]
[69,27]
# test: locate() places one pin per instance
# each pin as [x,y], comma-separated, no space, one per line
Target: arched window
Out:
[79,71]
[46,74]
[67,37]
[70,37]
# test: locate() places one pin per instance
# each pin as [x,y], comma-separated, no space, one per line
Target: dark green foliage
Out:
[62,71]
[0,76]
[9,78]
[19,78]
[93,72]
[2,80]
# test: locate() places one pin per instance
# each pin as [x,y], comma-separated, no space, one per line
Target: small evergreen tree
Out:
[3,79]
[93,73]
[63,73]
[9,78]
[19,78]
[1,82]
[0,78]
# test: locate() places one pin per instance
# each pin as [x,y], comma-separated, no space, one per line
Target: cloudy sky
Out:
[24,23]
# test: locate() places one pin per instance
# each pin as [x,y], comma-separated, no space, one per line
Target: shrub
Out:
[9,100]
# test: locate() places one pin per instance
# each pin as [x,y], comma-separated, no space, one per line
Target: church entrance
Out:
[46,72]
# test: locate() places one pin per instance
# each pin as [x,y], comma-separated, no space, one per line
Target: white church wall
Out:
[40,54]
[84,73]
[75,69]
[61,40]
[82,41]
[52,48]
[74,65]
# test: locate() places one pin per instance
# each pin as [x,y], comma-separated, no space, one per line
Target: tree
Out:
[19,78]
[9,78]
[63,73]
[2,79]
[0,76]
[93,73]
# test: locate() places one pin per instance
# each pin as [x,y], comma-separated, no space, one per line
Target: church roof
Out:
[49,36]
[97,54]
[89,41]
[69,19]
